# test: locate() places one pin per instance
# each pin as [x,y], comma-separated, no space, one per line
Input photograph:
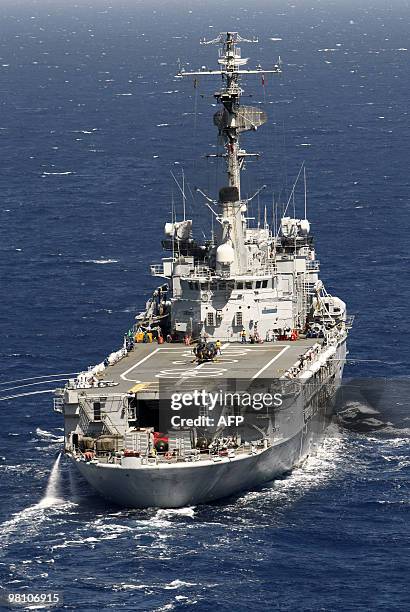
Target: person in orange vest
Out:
[243,335]
[218,347]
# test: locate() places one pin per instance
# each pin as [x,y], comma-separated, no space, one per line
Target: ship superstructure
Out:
[247,277]
[248,305]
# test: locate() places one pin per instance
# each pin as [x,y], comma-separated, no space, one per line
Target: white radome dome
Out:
[304,226]
[225,254]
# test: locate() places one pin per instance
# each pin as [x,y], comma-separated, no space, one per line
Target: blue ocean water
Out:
[92,123]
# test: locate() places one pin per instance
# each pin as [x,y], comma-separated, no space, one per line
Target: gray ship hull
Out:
[192,484]
[175,485]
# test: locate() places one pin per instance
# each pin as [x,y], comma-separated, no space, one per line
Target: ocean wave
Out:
[115,529]
[57,173]
[48,436]
[99,261]
[188,511]
[123,586]
[89,541]
[177,584]
[395,442]
[389,502]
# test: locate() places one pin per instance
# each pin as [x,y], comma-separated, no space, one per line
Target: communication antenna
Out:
[183,194]
[304,182]
[173,221]
[181,189]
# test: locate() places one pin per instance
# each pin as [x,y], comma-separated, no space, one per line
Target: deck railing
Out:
[193,456]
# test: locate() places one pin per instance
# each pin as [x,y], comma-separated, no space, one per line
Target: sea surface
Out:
[94,127]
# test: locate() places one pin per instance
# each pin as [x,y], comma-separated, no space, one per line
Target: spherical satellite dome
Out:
[225,254]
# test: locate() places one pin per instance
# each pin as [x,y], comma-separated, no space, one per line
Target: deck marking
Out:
[124,374]
[232,350]
[190,374]
[285,348]
[141,387]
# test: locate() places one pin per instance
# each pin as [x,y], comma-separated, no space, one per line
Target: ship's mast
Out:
[231,120]
[230,61]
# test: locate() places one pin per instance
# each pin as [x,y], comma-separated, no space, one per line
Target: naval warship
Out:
[241,312]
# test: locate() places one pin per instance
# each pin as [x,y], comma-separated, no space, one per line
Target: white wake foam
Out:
[48,435]
[169,512]
[315,471]
[29,520]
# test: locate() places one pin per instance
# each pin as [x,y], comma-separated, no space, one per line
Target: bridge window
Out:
[264,284]
[258,284]
[239,285]
[238,319]
[248,285]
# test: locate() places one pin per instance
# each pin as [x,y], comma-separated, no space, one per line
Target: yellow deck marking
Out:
[141,387]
